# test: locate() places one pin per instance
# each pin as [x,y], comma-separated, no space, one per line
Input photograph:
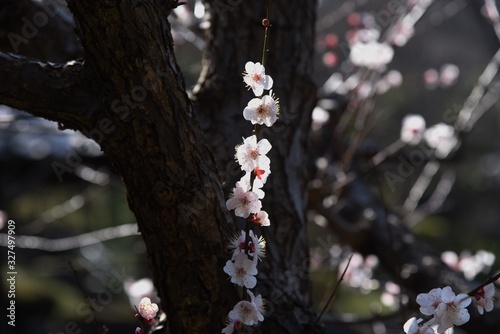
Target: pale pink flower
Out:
[242,271]
[442,138]
[429,301]
[412,129]
[257,183]
[232,325]
[256,79]
[247,313]
[252,154]
[258,303]
[452,309]
[372,55]
[261,218]
[262,110]
[412,327]
[244,202]
[147,310]
[484,298]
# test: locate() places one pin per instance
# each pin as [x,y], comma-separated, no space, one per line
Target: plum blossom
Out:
[252,154]
[257,245]
[258,183]
[232,325]
[262,110]
[372,55]
[412,129]
[442,138]
[248,312]
[244,202]
[452,310]
[148,310]
[484,298]
[261,218]
[470,265]
[412,327]
[256,79]
[429,301]
[258,303]
[242,271]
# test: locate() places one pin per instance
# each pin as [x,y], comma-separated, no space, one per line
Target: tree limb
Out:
[53,91]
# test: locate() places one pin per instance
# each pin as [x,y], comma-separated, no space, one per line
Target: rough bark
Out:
[235,37]
[145,124]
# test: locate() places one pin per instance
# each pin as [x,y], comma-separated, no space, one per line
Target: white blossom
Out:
[484,298]
[244,201]
[252,154]
[247,313]
[263,110]
[412,327]
[429,301]
[261,218]
[452,310]
[442,138]
[242,271]
[258,303]
[412,129]
[372,55]
[256,79]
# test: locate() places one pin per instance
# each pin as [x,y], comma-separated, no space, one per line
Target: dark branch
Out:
[57,92]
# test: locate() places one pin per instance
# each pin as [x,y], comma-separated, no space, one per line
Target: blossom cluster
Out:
[247,248]
[441,137]
[446,310]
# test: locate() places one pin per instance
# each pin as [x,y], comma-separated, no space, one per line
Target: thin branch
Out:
[81,240]
[58,92]
[334,292]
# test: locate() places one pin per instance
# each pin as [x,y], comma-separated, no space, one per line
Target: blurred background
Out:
[76,239]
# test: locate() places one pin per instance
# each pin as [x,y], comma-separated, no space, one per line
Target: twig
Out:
[334,292]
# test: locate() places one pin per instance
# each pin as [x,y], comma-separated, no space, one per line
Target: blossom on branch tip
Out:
[148,310]
[252,154]
[484,298]
[244,201]
[256,79]
[242,271]
[262,110]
